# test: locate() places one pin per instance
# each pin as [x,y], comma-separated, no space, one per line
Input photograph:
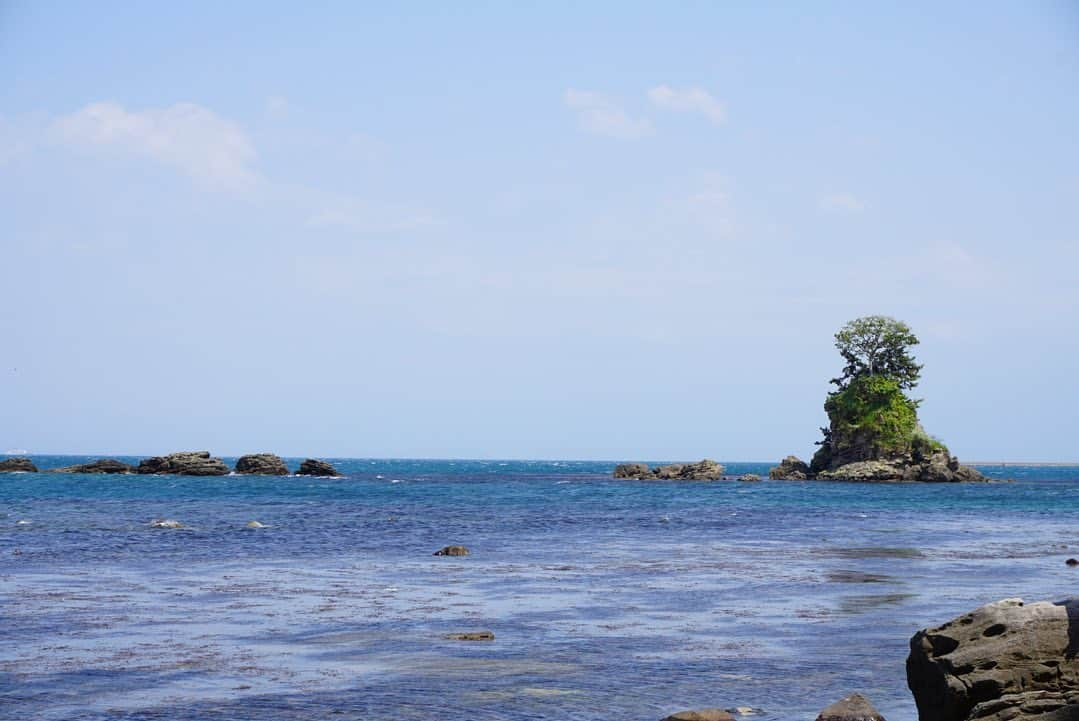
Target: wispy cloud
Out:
[689,100]
[598,114]
[843,202]
[211,150]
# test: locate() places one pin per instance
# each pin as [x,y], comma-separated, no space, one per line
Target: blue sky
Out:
[619,231]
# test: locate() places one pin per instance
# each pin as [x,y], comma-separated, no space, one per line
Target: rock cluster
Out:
[1006,661]
[104,465]
[451,551]
[855,707]
[791,468]
[313,467]
[17,464]
[261,464]
[706,470]
[192,463]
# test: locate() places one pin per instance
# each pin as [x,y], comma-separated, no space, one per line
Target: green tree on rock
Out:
[877,345]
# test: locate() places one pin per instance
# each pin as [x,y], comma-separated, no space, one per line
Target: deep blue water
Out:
[608,599]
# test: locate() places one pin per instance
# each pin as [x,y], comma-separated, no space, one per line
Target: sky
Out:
[612,230]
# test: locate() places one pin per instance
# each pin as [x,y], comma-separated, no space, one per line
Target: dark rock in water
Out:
[451,551]
[704,714]
[749,478]
[314,467]
[705,470]
[17,464]
[940,467]
[192,463]
[261,464]
[105,465]
[791,468]
[472,636]
[1072,562]
[855,707]
[1006,661]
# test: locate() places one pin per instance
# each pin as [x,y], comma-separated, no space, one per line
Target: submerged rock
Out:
[261,464]
[1005,661]
[104,465]
[315,467]
[451,551]
[791,468]
[749,478]
[472,636]
[855,707]
[191,463]
[705,470]
[255,524]
[1072,562]
[704,714]
[165,523]
[18,464]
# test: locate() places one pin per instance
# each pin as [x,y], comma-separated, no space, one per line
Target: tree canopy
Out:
[877,345]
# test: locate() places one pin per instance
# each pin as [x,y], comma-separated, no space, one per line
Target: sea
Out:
[608,599]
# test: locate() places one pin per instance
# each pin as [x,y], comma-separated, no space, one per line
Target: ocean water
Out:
[608,599]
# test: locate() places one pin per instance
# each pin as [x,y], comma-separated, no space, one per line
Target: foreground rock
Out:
[472,636]
[855,707]
[704,714]
[1006,661]
[791,468]
[105,465]
[261,464]
[706,470]
[17,465]
[314,467]
[451,551]
[193,463]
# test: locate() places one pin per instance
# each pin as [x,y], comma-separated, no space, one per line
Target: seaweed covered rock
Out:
[189,463]
[1005,661]
[17,464]
[104,465]
[705,470]
[791,468]
[314,467]
[261,464]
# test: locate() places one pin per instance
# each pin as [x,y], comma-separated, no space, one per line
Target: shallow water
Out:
[607,598]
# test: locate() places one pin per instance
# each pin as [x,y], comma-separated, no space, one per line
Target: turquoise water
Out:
[607,598]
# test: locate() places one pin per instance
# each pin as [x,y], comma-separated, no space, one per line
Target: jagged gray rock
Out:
[315,467]
[190,463]
[705,470]
[855,707]
[104,465]
[1005,661]
[791,468]
[17,464]
[261,464]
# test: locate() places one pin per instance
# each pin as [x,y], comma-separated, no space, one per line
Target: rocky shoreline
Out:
[184,463]
[939,467]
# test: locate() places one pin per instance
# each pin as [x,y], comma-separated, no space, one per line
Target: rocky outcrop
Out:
[104,465]
[18,464]
[1006,661]
[315,467]
[706,470]
[192,463]
[940,467]
[261,464]
[791,468]
[451,551]
[749,478]
[704,714]
[855,707]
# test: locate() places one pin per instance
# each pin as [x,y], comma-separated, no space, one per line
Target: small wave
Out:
[397,480]
[559,483]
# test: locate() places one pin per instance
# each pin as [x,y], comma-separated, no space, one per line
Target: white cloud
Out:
[840,203]
[212,150]
[690,100]
[358,216]
[599,115]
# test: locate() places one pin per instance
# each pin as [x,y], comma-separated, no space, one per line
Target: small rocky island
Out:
[706,470]
[184,463]
[873,432]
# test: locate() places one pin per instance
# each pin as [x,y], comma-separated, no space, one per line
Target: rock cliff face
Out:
[313,467]
[706,470]
[105,465]
[193,463]
[16,464]
[1006,661]
[261,464]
